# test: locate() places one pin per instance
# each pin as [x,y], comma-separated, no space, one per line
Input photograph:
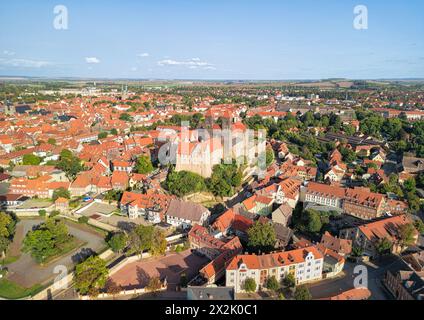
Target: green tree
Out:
[102,135]
[51,141]
[289,281]
[144,165]
[159,242]
[61,193]
[419,225]
[249,285]
[31,160]
[410,186]
[118,242]
[91,276]
[70,164]
[384,246]
[314,221]
[261,237]
[147,238]
[270,156]
[47,240]
[183,183]
[272,284]
[42,213]
[114,132]
[126,117]
[83,220]
[225,179]
[357,251]
[407,233]
[4,245]
[302,293]
[5,223]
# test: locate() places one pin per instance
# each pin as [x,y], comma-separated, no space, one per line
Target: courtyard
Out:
[172,267]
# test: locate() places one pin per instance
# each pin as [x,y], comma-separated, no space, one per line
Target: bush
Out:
[118,242]
[42,213]
[54,213]
[61,193]
[272,284]
[302,293]
[249,285]
[83,220]
[289,281]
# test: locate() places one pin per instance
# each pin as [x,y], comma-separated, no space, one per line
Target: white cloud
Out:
[134,69]
[8,53]
[143,55]
[24,63]
[92,60]
[191,63]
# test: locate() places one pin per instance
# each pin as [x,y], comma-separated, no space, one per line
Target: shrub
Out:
[83,220]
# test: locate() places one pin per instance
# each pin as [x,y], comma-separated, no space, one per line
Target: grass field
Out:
[10,290]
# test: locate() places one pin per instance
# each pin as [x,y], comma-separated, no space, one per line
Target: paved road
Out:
[27,273]
[332,287]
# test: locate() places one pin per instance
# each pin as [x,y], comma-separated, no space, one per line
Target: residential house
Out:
[220,252]
[8,201]
[367,236]
[412,165]
[258,205]
[186,214]
[343,247]
[151,206]
[305,264]
[283,215]
[403,282]
[358,202]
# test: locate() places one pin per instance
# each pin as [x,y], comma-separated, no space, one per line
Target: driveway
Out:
[27,273]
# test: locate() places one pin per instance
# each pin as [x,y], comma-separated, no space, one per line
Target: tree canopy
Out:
[91,276]
[69,163]
[47,240]
[144,165]
[183,183]
[146,238]
[61,193]
[31,160]
[261,237]
[225,179]
[302,293]
[249,285]
[118,242]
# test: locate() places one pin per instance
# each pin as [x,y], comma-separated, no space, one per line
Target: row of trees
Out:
[7,230]
[140,239]
[272,284]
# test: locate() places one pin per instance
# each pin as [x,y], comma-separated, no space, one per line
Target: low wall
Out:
[102,225]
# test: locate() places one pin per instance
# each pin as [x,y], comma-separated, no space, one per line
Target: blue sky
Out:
[213,39]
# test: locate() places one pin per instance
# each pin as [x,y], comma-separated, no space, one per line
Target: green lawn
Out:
[9,260]
[10,290]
